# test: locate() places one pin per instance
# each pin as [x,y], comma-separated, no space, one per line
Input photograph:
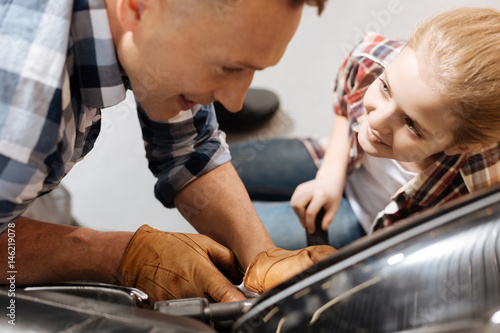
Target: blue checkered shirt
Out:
[58,68]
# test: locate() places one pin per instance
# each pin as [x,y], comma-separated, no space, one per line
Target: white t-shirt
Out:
[370,187]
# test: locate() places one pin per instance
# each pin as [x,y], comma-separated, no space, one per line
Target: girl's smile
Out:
[373,137]
[405,119]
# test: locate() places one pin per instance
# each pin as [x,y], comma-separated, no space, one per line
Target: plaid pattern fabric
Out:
[448,178]
[58,68]
[183,148]
[361,67]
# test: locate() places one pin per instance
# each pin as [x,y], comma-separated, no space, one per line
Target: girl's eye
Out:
[412,128]
[383,86]
[231,70]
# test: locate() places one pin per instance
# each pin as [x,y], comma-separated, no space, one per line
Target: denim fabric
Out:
[271,170]
[287,232]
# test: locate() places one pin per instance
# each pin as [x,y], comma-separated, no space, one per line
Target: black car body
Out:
[436,272]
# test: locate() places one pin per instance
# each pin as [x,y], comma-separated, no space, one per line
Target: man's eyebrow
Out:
[415,122]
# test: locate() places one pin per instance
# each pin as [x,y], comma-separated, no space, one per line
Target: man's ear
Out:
[463,149]
[130,12]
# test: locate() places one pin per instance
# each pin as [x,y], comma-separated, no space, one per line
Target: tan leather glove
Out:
[274,266]
[169,265]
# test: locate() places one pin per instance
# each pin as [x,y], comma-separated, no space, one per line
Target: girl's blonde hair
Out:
[460,49]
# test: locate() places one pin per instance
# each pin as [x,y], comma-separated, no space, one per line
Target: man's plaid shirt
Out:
[58,68]
[448,178]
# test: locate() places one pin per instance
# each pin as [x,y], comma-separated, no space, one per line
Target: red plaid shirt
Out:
[448,178]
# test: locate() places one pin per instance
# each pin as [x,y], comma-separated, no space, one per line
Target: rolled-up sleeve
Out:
[182,149]
[20,184]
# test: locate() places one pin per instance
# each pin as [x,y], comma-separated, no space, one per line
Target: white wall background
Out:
[112,188]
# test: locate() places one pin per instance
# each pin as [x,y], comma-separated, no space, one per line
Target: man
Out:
[59,68]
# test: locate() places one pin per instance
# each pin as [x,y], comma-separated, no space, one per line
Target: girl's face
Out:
[405,119]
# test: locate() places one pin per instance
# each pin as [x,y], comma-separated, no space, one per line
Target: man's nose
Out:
[232,94]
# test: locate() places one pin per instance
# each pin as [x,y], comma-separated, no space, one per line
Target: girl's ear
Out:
[129,13]
[463,149]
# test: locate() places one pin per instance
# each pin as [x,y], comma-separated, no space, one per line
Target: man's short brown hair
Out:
[320,4]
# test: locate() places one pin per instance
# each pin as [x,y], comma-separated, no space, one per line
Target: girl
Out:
[419,119]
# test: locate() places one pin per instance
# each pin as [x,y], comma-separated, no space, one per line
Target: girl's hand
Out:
[311,196]
[325,191]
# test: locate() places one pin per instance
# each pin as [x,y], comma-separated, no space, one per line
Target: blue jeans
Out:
[271,170]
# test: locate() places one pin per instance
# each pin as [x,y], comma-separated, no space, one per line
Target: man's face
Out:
[188,52]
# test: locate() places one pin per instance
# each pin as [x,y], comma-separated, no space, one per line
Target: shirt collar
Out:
[482,169]
[430,184]
[95,60]
[478,170]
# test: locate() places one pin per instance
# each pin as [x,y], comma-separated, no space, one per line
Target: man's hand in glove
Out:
[274,266]
[169,265]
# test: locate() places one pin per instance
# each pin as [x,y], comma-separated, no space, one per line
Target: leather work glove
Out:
[169,265]
[274,266]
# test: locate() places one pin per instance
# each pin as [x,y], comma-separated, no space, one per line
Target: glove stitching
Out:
[202,254]
[156,284]
[191,245]
[276,262]
[165,270]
